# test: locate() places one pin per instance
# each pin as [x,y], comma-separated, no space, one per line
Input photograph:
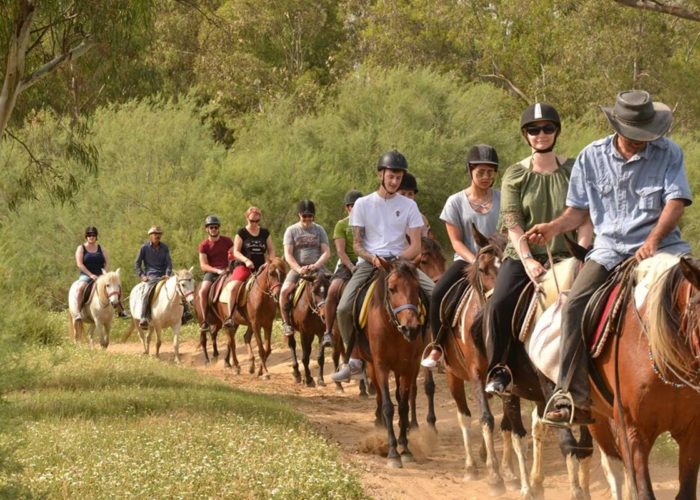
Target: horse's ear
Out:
[117,271]
[574,248]
[480,239]
[190,269]
[690,271]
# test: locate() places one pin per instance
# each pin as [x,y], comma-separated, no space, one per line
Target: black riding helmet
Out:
[212,220]
[392,160]
[306,207]
[351,197]
[540,111]
[408,183]
[91,230]
[482,154]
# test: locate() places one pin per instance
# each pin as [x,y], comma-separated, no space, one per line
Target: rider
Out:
[252,247]
[409,189]
[479,204]
[213,260]
[633,186]
[152,263]
[532,191]
[342,238]
[380,225]
[305,250]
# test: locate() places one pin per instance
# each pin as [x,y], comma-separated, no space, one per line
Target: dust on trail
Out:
[347,420]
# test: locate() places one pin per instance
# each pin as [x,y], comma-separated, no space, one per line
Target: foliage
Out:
[97,425]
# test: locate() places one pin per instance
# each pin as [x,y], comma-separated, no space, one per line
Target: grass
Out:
[88,424]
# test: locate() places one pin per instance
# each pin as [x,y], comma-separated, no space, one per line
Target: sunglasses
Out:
[535,130]
[212,227]
[91,235]
[307,216]
[253,221]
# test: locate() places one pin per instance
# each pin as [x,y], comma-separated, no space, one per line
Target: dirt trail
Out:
[348,420]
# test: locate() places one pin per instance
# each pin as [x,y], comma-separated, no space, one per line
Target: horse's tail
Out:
[670,351]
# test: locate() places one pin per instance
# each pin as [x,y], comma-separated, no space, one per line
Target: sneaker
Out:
[499,381]
[143,323]
[77,317]
[288,330]
[204,326]
[433,360]
[327,340]
[562,416]
[123,314]
[348,371]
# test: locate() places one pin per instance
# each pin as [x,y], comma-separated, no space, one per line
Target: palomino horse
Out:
[307,319]
[432,261]
[652,371]
[396,340]
[166,310]
[257,313]
[98,309]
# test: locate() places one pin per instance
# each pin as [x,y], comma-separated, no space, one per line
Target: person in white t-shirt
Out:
[380,223]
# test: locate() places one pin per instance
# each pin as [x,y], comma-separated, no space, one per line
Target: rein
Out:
[178,289]
[270,290]
[393,311]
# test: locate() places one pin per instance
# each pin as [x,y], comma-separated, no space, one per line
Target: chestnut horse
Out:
[257,313]
[652,370]
[393,341]
[306,318]
[432,261]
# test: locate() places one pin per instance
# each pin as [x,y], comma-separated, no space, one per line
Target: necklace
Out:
[483,205]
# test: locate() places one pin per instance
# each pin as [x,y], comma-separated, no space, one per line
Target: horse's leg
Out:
[539,432]
[321,359]
[149,334]
[203,344]
[407,394]
[292,343]
[248,339]
[508,471]
[91,335]
[382,377]
[159,340]
[306,340]
[337,351]
[639,449]
[615,475]
[214,346]
[262,351]
[688,462]
[584,454]
[176,341]
[511,404]
[429,387]
[493,474]
[464,416]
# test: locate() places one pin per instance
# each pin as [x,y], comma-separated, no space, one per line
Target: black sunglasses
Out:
[91,234]
[535,130]
[307,216]
[254,220]
[212,227]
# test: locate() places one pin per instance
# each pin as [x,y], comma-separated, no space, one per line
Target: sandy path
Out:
[347,420]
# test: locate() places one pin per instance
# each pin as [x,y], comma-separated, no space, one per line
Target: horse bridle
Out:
[393,311]
[479,284]
[270,290]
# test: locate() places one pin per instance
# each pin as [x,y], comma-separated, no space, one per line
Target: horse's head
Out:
[402,291]
[109,286]
[185,284]
[482,274]
[319,291]
[691,271]
[276,271]
[432,261]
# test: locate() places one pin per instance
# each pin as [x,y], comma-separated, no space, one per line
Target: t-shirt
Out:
[254,247]
[306,243]
[459,212]
[343,231]
[386,222]
[216,251]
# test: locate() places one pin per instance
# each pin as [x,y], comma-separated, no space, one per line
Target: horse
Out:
[166,310]
[257,313]
[98,309]
[392,341]
[308,320]
[432,261]
[652,371]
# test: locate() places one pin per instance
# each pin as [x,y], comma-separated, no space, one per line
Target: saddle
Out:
[155,291]
[87,294]
[242,292]
[217,287]
[453,302]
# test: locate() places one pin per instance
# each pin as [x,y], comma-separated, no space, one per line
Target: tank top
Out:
[254,247]
[94,261]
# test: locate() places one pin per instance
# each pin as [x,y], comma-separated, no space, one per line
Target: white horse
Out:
[97,310]
[166,310]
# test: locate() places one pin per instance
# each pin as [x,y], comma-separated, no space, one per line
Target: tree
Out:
[673,9]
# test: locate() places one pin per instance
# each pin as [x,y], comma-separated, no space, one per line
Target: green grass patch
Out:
[89,424]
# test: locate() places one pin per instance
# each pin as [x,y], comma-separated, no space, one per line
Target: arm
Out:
[358,245]
[340,250]
[668,220]
[515,234]
[270,248]
[571,219]
[106,267]
[585,233]
[168,263]
[325,255]
[413,249]
[456,240]
[238,255]
[138,264]
[289,257]
[204,265]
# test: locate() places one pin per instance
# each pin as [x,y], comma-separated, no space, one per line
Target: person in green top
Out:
[342,238]
[532,191]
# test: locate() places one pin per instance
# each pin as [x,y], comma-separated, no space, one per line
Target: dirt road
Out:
[347,420]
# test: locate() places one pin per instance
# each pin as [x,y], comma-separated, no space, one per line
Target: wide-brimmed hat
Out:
[155,230]
[636,117]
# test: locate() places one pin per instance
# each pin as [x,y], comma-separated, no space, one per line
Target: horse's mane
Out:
[432,247]
[183,273]
[102,281]
[277,263]
[669,348]
[405,269]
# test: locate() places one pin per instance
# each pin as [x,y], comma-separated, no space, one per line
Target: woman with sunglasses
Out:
[533,191]
[478,204]
[252,248]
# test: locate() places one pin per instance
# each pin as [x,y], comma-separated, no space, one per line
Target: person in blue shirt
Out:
[152,263]
[633,186]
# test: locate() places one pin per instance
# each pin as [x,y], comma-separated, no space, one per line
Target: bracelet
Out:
[526,256]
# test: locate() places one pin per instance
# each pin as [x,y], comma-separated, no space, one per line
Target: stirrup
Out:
[556,398]
[428,349]
[504,367]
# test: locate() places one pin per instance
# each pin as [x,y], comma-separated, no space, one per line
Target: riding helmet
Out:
[538,112]
[392,160]
[408,183]
[212,220]
[306,207]
[482,154]
[91,230]
[351,197]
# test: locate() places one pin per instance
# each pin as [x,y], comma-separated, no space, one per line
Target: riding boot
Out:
[120,311]
[287,327]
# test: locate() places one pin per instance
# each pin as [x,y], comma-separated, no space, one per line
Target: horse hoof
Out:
[310,383]
[321,383]
[513,484]
[265,376]
[364,395]
[407,457]
[339,387]
[237,370]
[497,488]
[297,378]
[471,474]
[394,463]
[251,370]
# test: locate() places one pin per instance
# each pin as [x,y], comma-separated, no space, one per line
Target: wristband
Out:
[526,256]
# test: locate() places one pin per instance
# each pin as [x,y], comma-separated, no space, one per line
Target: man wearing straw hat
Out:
[633,186]
[152,263]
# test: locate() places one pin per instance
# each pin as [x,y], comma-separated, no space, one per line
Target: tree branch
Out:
[664,8]
[72,54]
[510,84]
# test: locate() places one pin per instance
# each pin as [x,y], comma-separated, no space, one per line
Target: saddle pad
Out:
[87,293]
[597,341]
[542,345]
[461,315]
[225,295]
[451,301]
[462,306]
[217,286]
[158,288]
[364,309]
[649,272]
[301,284]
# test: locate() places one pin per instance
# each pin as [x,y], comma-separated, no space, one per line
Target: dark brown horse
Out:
[257,313]
[307,320]
[652,371]
[432,261]
[393,341]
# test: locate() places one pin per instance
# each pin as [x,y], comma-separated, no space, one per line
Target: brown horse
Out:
[393,341]
[652,371]
[307,319]
[432,261]
[257,313]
